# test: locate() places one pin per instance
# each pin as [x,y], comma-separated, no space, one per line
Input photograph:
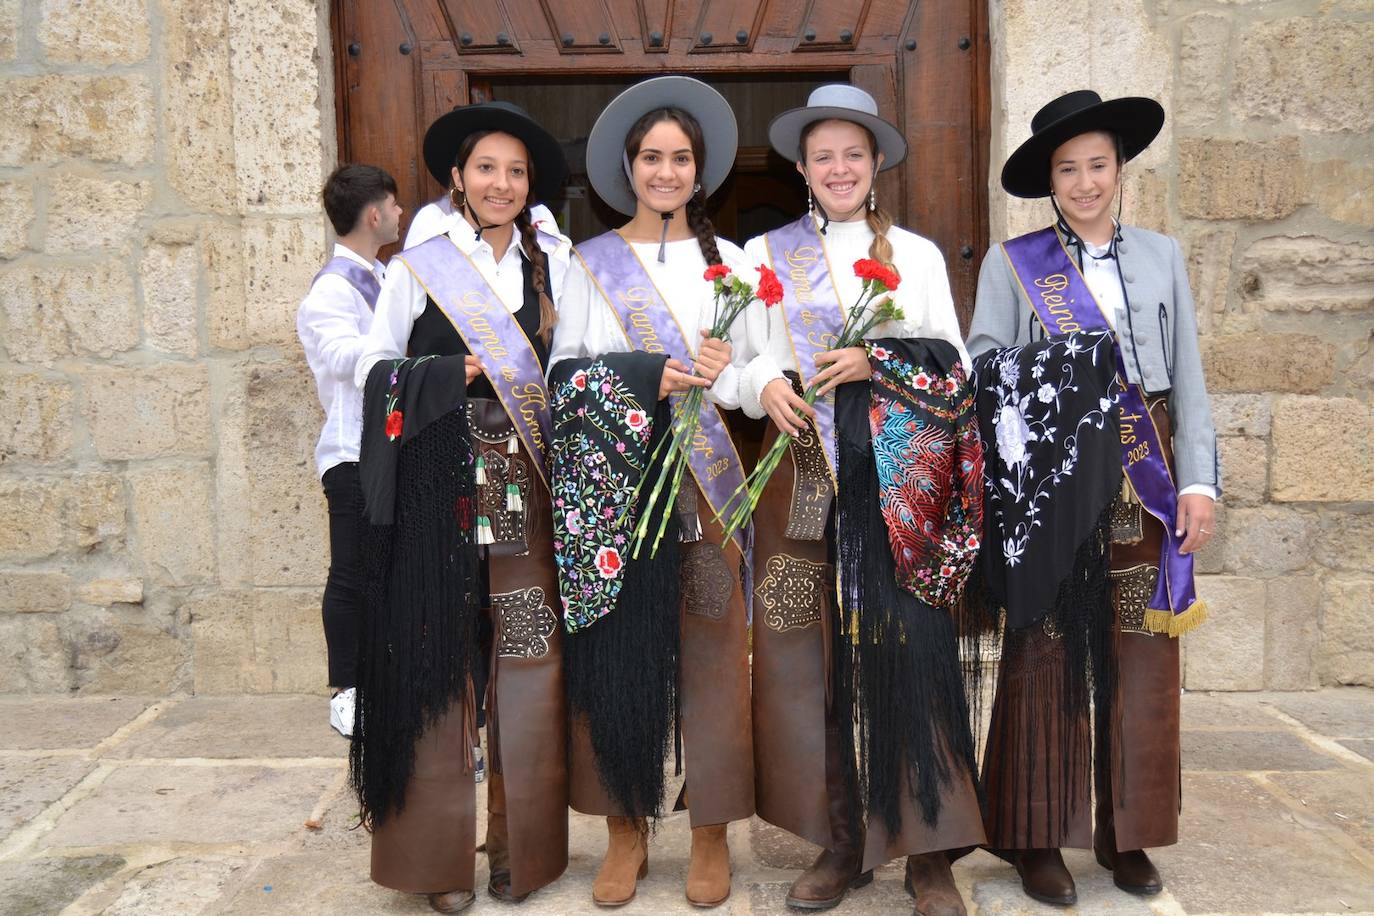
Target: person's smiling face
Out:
[495,180]
[1085,173]
[664,170]
[838,164]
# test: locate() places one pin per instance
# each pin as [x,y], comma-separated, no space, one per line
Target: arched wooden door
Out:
[400,63]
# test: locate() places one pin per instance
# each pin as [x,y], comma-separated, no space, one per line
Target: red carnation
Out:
[770,289]
[716,272]
[870,270]
[394,421]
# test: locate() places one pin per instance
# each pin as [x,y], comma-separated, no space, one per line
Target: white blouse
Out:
[588,327]
[402,299]
[923,296]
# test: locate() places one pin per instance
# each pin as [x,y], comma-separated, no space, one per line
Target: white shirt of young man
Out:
[332,322]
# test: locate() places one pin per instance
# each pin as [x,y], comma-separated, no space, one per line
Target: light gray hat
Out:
[606,143]
[841,102]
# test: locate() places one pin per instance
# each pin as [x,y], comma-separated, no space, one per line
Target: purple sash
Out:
[492,335]
[813,311]
[358,277]
[1057,292]
[649,325]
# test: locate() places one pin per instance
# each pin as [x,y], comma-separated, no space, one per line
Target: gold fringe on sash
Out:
[1175,625]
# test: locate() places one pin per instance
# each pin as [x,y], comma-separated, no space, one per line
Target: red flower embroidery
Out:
[770,289]
[579,380]
[394,422]
[951,386]
[608,562]
[716,272]
[922,381]
[636,419]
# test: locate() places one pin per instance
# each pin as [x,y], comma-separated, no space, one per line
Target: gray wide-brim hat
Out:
[606,142]
[837,102]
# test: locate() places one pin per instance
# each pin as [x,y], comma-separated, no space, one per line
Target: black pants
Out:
[343,590]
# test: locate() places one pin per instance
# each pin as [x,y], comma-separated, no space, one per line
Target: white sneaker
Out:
[341,712]
[481,763]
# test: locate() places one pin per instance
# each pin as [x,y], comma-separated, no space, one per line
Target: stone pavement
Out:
[239,805]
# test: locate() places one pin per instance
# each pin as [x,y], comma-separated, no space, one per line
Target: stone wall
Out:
[161,529]
[1265,173]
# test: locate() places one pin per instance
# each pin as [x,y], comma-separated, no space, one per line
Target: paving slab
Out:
[41,722]
[187,886]
[1345,712]
[317,884]
[1245,750]
[1242,851]
[1223,710]
[1362,746]
[777,848]
[340,828]
[1345,797]
[192,804]
[29,784]
[41,887]
[239,727]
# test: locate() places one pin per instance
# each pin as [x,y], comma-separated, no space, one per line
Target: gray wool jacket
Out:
[1158,339]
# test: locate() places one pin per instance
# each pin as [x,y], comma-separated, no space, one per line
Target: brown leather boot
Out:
[451,902]
[708,875]
[930,880]
[1045,877]
[498,842]
[835,871]
[1132,870]
[627,860]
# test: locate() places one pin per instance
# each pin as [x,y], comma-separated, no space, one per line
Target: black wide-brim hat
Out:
[448,132]
[1137,121]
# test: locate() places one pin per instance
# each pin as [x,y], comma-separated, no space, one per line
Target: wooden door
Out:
[401,63]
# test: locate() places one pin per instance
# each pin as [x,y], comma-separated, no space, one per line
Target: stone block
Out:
[231,804]
[1227,652]
[257,642]
[287,515]
[1203,57]
[279,258]
[1212,557]
[169,274]
[96,511]
[221,259]
[134,653]
[1209,271]
[35,417]
[9,29]
[1323,450]
[87,212]
[777,848]
[33,657]
[1309,72]
[1225,710]
[1269,540]
[34,592]
[1147,196]
[16,202]
[1343,190]
[1292,632]
[1347,648]
[1245,466]
[1239,179]
[190,884]
[277,99]
[48,885]
[99,32]
[30,519]
[1345,799]
[56,311]
[53,723]
[149,412]
[1307,273]
[300,887]
[197,105]
[1249,751]
[1332,712]
[1296,363]
[175,523]
[1346,541]
[1242,414]
[29,784]
[105,592]
[105,118]
[238,727]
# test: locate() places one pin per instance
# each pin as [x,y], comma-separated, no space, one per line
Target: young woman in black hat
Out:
[482,291]
[1102,474]
[865,489]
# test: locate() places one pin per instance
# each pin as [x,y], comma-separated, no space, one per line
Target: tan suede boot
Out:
[627,860]
[708,875]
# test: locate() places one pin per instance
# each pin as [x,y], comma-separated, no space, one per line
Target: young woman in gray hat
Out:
[1095,570]
[637,307]
[482,290]
[804,754]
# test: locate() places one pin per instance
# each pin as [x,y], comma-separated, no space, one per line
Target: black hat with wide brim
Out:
[1137,121]
[606,142]
[447,133]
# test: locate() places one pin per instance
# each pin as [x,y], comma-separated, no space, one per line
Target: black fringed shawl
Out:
[910,519]
[421,571]
[621,654]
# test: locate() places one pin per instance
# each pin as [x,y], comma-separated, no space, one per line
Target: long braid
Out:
[700,223]
[881,250]
[529,240]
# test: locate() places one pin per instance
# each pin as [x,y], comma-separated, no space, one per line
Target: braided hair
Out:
[697,219]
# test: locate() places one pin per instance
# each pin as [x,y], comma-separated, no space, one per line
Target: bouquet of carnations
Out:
[878,280]
[732,297]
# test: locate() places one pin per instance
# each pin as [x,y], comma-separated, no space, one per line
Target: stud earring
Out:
[696,189]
